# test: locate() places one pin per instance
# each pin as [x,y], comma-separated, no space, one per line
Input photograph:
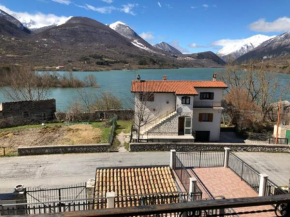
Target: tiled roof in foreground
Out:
[134,181]
[177,87]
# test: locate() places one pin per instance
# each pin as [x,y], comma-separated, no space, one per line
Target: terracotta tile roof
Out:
[177,87]
[134,181]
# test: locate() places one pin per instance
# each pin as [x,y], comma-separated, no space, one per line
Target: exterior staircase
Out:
[158,122]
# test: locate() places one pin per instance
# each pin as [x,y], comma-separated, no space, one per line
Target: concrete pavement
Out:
[70,169]
[275,165]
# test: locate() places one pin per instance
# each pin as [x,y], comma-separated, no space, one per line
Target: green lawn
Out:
[124,125]
[105,129]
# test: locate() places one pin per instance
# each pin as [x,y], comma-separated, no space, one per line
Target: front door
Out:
[187,126]
[181,126]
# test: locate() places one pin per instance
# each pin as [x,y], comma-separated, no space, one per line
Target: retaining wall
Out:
[187,147]
[39,150]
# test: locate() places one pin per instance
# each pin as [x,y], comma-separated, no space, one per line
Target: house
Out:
[177,110]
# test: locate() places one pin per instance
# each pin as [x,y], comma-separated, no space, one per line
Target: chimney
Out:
[164,77]
[214,77]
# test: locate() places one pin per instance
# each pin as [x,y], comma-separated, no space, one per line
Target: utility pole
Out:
[278,118]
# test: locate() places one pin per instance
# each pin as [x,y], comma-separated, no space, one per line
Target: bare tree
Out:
[143,116]
[259,84]
[22,84]
[107,101]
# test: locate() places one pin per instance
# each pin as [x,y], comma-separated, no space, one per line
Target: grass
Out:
[105,130]
[124,125]
[29,127]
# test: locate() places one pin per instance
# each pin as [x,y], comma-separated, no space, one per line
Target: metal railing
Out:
[201,159]
[273,189]
[245,171]
[113,122]
[206,104]
[201,208]
[182,173]
[284,141]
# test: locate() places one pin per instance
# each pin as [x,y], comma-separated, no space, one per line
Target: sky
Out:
[189,25]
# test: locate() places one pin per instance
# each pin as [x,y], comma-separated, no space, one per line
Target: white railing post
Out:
[172,159]
[90,186]
[192,184]
[110,199]
[263,185]
[227,154]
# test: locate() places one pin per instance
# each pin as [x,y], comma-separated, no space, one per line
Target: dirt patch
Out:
[50,135]
[81,134]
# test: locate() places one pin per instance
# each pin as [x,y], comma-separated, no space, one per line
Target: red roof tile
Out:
[177,87]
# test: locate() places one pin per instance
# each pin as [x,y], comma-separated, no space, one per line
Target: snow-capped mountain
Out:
[126,31]
[275,47]
[238,48]
[11,19]
[167,48]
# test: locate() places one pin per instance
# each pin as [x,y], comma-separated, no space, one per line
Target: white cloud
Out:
[128,9]
[193,7]
[36,20]
[205,6]
[175,44]
[147,36]
[108,1]
[226,42]
[282,24]
[65,2]
[159,4]
[194,45]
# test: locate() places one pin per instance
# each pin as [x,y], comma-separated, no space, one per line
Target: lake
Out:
[119,82]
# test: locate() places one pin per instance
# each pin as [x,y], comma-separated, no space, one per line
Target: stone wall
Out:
[27,112]
[39,150]
[123,114]
[187,147]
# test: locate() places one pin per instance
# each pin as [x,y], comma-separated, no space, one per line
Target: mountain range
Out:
[85,44]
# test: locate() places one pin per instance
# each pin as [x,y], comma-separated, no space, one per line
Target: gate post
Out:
[226,160]
[263,185]
[20,197]
[90,186]
[110,199]
[192,188]
[172,159]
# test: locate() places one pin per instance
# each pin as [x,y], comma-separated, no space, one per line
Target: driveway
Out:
[70,169]
[275,165]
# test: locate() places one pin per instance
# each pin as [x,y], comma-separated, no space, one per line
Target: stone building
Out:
[26,112]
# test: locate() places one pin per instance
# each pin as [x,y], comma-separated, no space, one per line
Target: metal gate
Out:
[61,194]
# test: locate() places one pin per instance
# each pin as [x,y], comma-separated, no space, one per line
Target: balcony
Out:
[206,104]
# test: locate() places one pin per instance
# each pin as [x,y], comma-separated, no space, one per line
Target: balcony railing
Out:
[206,104]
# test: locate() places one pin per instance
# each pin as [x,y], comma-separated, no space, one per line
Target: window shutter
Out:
[200,118]
[212,96]
[210,117]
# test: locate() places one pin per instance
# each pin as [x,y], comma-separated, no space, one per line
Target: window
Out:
[147,97]
[205,117]
[206,95]
[185,100]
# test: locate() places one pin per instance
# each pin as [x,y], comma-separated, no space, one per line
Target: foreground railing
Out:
[273,140]
[281,207]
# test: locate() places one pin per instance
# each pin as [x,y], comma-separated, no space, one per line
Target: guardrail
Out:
[272,140]
[201,159]
[206,104]
[200,208]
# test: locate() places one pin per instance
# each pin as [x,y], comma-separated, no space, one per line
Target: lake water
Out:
[119,82]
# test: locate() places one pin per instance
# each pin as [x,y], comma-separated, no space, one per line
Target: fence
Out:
[273,189]
[272,140]
[207,104]
[201,159]
[113,122]
[71,193]
[244,171]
